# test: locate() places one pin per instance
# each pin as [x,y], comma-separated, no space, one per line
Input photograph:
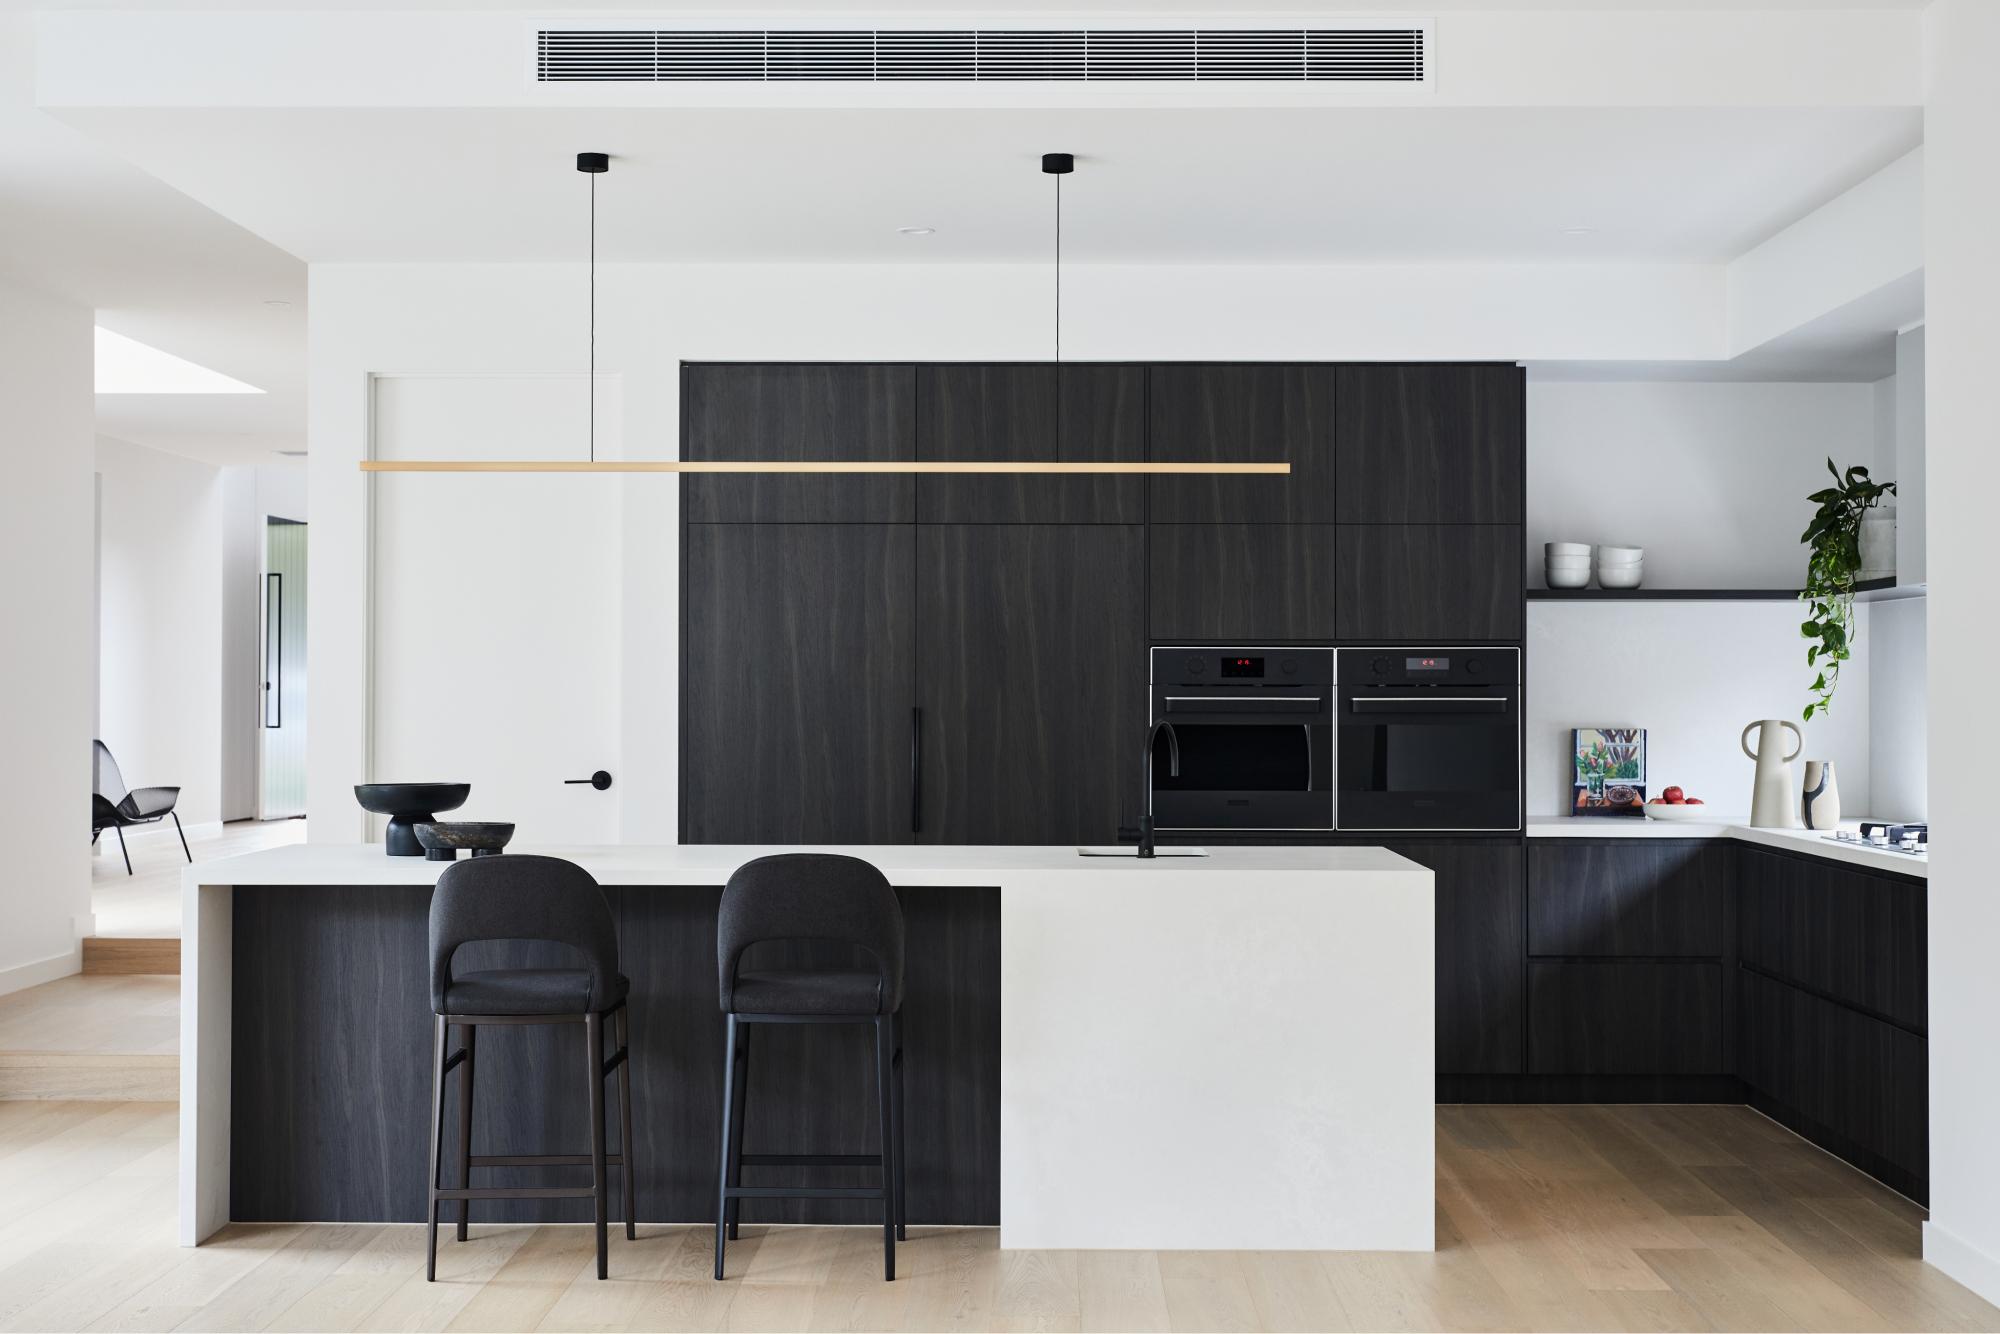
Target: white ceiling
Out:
[80,222]
[1319,185]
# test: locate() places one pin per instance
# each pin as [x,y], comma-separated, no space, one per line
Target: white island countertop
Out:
[1811,842]
[1230,1052]
[710,864]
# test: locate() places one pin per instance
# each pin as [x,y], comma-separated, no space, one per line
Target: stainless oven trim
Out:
[1332,652]
[1520,743]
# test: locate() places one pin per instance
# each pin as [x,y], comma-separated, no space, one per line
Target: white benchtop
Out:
[1812,842]
[903,864]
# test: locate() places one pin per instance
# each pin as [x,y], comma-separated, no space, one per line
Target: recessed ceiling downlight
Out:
[915,231]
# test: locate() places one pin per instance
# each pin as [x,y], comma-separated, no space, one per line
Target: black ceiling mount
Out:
[1058,164]
[594,163]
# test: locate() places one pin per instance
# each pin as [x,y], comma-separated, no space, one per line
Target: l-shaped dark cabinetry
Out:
[1695,970]
[962,659]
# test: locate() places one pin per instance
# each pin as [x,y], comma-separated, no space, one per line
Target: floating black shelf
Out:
[1687,594]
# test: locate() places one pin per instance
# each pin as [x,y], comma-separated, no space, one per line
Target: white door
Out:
[496,600]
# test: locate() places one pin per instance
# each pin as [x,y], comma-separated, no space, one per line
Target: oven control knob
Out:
[1474,666]
[1196,666]
[1289,666]
[1380,666]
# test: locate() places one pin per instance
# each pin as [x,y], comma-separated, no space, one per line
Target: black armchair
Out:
[112,806]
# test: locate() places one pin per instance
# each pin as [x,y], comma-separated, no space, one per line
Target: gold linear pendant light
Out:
[595,165]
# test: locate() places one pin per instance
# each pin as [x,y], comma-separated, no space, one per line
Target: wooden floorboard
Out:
[1549,1218]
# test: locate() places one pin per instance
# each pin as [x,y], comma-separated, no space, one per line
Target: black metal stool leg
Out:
[884,1099]
[625,1153]
[902,1132]
[741,1076]
[593,1041]
[469,1032]
[729,1114]
[437,1145]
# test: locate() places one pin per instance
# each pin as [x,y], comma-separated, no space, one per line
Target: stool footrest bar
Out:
[516,1193]
[803,1192]
[540,1160]
[812,1160]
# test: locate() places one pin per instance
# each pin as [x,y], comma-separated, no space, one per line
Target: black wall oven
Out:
[1253,727]
[1429,739]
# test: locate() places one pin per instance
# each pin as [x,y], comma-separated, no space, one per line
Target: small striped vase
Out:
[1821,807]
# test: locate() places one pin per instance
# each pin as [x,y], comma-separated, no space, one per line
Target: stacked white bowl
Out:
[1620,567]
[1567,564]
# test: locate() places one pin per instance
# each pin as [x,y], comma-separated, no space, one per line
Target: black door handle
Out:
[916,770]
[599,780]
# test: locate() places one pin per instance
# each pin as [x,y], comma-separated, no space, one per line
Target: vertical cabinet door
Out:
[1248,581]
[1042,414]
[1430,444]
[1243,414]
[1479,953]
[798,680]
[1438,582]
[1031,647]
[827,413]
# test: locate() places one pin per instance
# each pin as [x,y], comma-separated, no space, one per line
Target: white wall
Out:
[160,695]
[1898,708]
[1710,478]
[251,495]
[47,403]
[1911,510]
[1692,674]
[1962,212]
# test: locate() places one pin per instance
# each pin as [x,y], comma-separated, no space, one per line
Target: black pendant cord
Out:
[592,389]
[1058,269]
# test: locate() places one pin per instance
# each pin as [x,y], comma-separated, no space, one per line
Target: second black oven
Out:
[1252,730]
[1429,739]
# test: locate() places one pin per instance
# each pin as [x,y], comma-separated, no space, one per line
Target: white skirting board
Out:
[21,976]
[1962,1261]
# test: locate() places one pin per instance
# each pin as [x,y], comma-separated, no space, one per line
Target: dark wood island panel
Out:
[332,1046]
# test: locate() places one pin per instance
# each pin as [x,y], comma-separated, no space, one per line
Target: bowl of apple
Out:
[1674,804]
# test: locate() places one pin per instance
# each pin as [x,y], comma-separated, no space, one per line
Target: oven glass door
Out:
[1245,776]
[1417,765]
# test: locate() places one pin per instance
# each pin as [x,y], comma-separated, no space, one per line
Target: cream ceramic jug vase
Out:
[1821,804]
[1771,795]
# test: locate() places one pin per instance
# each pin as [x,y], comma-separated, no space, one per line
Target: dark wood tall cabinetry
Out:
[962,658]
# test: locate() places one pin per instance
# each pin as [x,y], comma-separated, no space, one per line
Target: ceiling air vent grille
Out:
[1295,55]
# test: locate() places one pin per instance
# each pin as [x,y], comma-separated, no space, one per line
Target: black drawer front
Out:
[1628,898]
[1617,1018]
[1851,936]
[1864,1080]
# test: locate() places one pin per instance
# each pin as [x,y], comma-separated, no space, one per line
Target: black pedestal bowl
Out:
[406,804]
[443,838]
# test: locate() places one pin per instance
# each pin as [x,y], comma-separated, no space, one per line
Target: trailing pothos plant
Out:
[1833,542]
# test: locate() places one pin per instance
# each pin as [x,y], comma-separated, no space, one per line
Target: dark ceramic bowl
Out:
[407,804]
[443,838]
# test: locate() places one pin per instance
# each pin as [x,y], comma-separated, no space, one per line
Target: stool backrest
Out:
[811,896]
[523,897]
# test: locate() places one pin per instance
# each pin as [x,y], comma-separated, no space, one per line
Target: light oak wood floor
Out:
[1559,1218]
[148,902]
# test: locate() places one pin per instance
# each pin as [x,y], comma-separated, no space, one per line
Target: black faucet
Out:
[1173,771]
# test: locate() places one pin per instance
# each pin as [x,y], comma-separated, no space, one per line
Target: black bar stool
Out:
[535,899]
[812,897]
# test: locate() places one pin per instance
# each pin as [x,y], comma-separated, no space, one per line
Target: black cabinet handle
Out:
[599,780]
[916,770]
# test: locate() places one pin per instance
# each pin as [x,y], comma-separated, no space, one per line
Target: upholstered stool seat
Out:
[525,991]
[803,991]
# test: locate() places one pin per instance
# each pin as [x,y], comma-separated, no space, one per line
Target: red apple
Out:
[1674,796]
[1696,801]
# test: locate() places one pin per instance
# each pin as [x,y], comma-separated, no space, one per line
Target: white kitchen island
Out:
[1225,1052]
